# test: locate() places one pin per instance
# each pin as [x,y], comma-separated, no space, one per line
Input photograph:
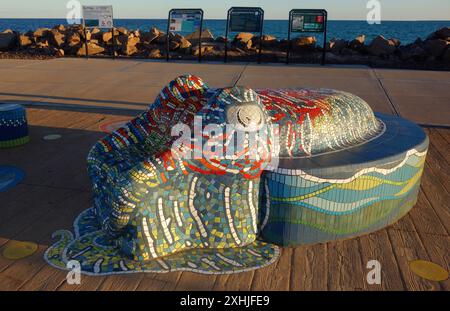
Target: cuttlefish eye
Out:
[248,116]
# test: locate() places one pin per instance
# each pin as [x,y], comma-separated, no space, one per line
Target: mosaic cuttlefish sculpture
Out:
[165,204]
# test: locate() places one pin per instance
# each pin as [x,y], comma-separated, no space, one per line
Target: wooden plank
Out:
[309,270]
[275,276]
[234,282]
[432,217]
[438,250]
[439,166]
[444,133]
[407,247]
[159,281]
[377,246]
[61,215]
[346,270]
[438,141]
[195,281]
[124,282]
[435,243]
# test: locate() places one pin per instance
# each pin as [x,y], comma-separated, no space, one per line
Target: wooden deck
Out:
[56,189]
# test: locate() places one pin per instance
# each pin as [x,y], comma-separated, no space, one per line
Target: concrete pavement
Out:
[421,96]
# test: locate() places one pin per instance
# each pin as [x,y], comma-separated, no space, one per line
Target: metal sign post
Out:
[308,20]
[185,20]
[245,19]
[100,16]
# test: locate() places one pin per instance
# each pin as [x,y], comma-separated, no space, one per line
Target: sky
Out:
[216,9]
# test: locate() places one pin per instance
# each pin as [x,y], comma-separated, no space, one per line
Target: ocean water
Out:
[405,31]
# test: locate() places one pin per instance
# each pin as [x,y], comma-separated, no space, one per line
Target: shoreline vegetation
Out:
[69,41]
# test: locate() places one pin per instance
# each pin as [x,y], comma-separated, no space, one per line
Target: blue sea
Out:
[405,31]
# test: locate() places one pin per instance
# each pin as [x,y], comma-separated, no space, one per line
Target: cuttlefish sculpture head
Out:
[207,183]
[189,202]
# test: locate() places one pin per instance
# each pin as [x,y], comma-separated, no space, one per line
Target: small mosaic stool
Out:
[13,126]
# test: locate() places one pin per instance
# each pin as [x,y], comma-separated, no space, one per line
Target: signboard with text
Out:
[307,20]
[186,21]
[100,16]
[246,20]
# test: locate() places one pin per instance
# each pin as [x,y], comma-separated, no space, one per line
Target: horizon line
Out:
[266,19]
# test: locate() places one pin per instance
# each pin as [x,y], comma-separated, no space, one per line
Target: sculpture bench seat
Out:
[346,193]
[13,126]
[210,180]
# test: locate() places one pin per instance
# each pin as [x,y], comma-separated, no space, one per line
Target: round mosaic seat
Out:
[347,193]
[343,171]
[13,126]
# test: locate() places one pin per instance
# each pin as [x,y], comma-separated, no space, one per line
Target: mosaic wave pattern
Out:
[297,209]
[324,167]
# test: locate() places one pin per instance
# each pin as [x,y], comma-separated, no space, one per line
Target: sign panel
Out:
[246,20]
[185,20]
[98,16]
[308,21]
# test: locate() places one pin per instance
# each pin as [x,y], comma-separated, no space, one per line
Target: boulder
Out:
[128,44]
[413,51]
[302,43]
[207,36]
[443,33]
[106,37]
[244,37]
[395,41]
[205,50]
[122,31]
[221,39]
[174,45]
[73,39]
[268,41]
[337,45]
[154,53]
[436,47]
[59,53]
[151,36]
[357,43]
[97,34]
[7,40]
[24,41]
[41,32]
[94,49]
[184,43]
[446,56]
[60,28]
[246,45]
[380,46]
[56,38]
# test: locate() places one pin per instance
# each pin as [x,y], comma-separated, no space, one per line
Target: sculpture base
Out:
[346,193]
[96,256]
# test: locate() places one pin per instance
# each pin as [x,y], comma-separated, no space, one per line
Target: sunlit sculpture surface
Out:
[323,167]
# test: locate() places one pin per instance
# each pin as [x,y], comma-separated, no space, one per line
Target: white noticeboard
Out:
[98,16]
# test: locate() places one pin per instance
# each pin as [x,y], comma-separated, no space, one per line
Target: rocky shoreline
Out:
[68,41]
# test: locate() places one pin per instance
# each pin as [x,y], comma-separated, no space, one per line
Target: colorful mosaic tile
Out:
[166,203]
